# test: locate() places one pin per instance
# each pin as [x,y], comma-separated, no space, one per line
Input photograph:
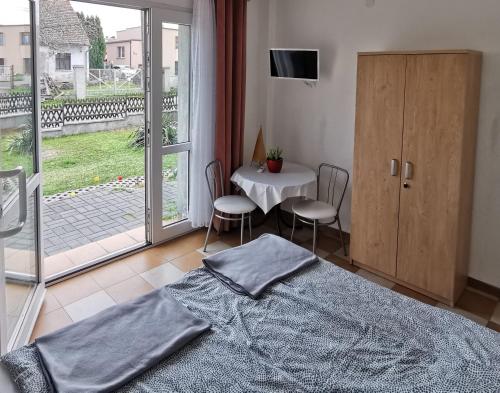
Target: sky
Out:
[112,18]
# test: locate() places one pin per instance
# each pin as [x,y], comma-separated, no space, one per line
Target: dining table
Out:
[269,190]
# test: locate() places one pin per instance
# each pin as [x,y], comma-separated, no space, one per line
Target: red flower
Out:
[120,178]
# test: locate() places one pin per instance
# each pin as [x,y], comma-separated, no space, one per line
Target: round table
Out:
[268,189]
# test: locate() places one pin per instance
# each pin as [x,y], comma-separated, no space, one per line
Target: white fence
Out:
[114,81]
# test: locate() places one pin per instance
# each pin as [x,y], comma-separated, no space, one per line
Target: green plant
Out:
[169,132]
[93,29]
[275,154]
[22,143]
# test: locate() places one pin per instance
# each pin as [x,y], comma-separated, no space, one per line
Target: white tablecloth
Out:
[269,189]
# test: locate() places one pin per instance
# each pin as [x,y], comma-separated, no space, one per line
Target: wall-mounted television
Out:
[302,64]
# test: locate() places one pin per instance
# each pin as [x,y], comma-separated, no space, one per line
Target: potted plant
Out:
[275,160]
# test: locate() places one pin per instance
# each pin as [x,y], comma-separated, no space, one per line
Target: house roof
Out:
[60,25]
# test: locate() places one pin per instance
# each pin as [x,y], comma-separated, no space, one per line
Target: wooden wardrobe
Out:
[416,120]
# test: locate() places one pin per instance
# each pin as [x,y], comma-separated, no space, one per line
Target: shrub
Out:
[169,132]
[22,143]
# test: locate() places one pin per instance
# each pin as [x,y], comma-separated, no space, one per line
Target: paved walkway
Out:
[93,215]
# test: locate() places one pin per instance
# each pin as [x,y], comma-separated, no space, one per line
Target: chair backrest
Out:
[332,184]
[215,179]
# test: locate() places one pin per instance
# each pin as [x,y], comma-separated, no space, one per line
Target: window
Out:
[121,52]
[63,62]
[27,65]
[2,39]
[176,67]
[2,62]
[25,38]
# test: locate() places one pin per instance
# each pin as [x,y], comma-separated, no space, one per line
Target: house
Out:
[15,48]
[63,41]
[126,50]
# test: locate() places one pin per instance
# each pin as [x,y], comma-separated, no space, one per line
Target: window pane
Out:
[175,187]
[176,42]
[20,266]
[16,119]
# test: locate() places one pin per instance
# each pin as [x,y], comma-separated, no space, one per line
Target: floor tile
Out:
[319,252]
[328,244]
[50,322]
[144,261]
[214,248]
[496,315]
[464,313]
[494,326]
[50,303]
[342,263]
[162,275]
[129,289]
[188,262]
[86,253]
[233,238]
[415,295]
[183,245]
[477,304]
[303,235]
[138,234]
[374,278]
[117,242]
[112,273]
[89,306]
[56,264]
[74,289]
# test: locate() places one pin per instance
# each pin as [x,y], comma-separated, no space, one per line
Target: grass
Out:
[77,161]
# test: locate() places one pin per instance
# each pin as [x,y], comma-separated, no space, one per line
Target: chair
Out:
[226,204]
[332,184]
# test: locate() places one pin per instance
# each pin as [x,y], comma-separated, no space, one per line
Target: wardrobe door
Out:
[378,138]
[436,86]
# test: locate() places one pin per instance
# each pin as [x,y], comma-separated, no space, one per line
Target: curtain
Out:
[230,18]
[203,109]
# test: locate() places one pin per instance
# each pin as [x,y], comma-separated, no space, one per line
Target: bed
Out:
[321,330]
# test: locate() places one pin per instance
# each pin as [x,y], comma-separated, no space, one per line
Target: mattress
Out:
[322,330]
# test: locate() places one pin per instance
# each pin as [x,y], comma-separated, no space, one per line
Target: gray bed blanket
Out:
[252,267]
[102,353]
[321,330]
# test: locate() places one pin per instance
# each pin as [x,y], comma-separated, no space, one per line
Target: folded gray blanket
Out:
[102,353]
[252,267]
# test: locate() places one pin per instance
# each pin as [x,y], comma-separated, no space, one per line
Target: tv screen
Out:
[295,63]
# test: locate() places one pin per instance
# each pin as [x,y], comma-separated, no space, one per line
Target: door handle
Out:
[408,170]
[394,167]
[23,201]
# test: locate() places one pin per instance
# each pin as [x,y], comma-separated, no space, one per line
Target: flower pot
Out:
[274,166]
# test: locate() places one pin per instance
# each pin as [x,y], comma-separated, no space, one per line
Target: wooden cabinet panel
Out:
[434,121]
[378,139]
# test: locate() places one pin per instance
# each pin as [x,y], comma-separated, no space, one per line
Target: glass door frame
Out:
[29,314]
[157,17]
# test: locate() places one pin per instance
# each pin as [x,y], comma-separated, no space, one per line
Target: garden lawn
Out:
[77,161]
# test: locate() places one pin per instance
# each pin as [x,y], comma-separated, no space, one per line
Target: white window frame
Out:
[159,232]
[121,52]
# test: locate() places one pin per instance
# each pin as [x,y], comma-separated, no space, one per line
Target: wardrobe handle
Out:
[408,170]
[394,167]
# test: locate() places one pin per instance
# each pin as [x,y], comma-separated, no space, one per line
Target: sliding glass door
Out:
[21,283]
[170,50]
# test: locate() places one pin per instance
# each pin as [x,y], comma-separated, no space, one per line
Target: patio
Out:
[89,223]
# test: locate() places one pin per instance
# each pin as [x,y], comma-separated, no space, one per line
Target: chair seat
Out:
[315,210]
[234,204]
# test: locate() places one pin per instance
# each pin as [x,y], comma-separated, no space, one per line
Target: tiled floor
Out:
[85,295]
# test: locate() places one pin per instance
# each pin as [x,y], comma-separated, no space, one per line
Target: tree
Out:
[93,28]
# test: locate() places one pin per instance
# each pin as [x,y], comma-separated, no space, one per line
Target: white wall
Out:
[256,86]
[317,124]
